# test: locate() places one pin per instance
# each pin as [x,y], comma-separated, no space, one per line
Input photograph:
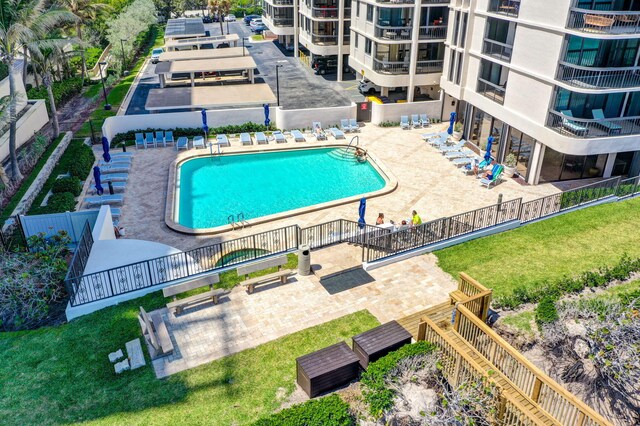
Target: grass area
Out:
[26,183]
[566,245]
[118,92]
[92,91]
[62,375]
[257,37]
[521,321]
[61,167]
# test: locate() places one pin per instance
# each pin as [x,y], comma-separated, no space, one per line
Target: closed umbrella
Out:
[361,211]
[452,120]
[266,115]
[487,155]
[205,128]
[96,177]
[105,150]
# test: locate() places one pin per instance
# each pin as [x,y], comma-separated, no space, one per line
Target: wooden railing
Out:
[549,395]
[479,296]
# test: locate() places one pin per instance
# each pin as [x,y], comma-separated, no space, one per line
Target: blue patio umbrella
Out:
[452,120]
[361,211]
[96,177]
[266,115]
[105,150]
[487,155]
[205,128]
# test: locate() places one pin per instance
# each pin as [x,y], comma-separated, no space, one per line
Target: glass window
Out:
[464,29]
[557,166]
[367,46]
[369,13]
[459,70]
[452,65]
[355,40]
[456,28]
[357,6]
[622,164]
[581,105]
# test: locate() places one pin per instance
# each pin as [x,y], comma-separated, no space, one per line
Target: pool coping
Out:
[173,188]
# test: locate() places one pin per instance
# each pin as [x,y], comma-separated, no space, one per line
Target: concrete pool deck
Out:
[427,182]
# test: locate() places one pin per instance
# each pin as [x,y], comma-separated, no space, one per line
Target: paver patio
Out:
[241,321]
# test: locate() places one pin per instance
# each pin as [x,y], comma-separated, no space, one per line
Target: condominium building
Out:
[556,83]
[399,44]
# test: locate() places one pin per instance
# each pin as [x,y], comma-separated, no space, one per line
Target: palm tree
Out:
[221,8]
[24,23]
[86,11]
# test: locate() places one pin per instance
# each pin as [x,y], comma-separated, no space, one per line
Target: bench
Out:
[155,333]
[281,274]
[373,344]
[326,369]
[178,305]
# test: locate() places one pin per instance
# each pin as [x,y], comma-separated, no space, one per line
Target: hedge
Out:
[327,411]
[376,394]
[70,184]
[4,71]
[63,91]
[59,203]
[240,12]
[590,279]
[130,136]
[82,163]
[91,56]
[546,312]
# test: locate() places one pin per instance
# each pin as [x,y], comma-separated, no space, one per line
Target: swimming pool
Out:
[210,189]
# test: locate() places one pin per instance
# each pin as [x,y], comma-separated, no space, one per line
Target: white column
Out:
[340,38]
[296,28]
[415,36]
[535,163]
[608,167]
[193,83]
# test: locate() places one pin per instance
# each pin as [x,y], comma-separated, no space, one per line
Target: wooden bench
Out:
[281,274]
[155,333]
[178,304]
[598,21]
[327,369]
[373,344]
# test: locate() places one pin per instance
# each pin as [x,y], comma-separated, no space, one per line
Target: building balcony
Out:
[397,68]
[282,22]
[604,22]
[491,90]
[329,12]
[282,2]
[429,67]
[393,33]
[505,7]
[324,40]
[598,78]
[495,49]
[432,32]
[592,128]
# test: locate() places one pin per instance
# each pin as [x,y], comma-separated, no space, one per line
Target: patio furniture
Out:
[298,136]
[121,162]
[118,177]
[598,21]
[123,155]
[611,127]
[168,138]
[279,137]
[454,148]
[464,153]
[353,123]
[104,199]
[155,333]
[404,122]
[317,131]
[178,305]
[182,143]
[149,140]
[378,342]
[344,125]
[337,133]
[223,140]
[261,139]
[140,141]
[245,139]
[424,120]
[280,274]
[160,138]
[327,369]
[115,213]
[198,142]
[115,168]
[571,125]
[117,186]
[415,120]
[496,172]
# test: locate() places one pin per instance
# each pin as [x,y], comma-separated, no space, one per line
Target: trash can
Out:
[304,260]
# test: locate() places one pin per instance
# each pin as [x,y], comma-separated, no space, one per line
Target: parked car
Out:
[230,18]
[247,19]
[255,22]
[258,29]
[223,45]
[155,55]
[207,19]
[368,87]
[327,65]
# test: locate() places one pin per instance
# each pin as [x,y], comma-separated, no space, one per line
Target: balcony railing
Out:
[497,50]
[282,22]
[388,67]
[325,12]
[412,1]
[604,22]
[505,7]
[327,40]
[393,33]
[282,2]
[433,32]
[598,78]
[491,90]
[429,67]
[593,128]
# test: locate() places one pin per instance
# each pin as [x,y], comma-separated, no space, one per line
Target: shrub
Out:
[546,312]
[60,202]
[328,411]
[4,71]
[81,166]
[63,91]
[375,391]
[68,184]
[389,124]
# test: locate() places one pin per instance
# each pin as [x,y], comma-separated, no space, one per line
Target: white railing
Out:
[598,78]
[608,22]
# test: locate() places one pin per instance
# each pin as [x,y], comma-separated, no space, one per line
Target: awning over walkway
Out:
[240,63]
[171,45]
[188,55]
[209,97]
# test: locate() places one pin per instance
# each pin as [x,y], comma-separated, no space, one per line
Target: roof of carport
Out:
[187,55]
[209,97]
[206,65]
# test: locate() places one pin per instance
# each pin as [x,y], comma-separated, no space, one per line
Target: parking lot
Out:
[300,87]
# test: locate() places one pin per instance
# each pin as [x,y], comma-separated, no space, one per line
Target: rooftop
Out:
[239,63]
[184,27]
[209,97]
[188,55]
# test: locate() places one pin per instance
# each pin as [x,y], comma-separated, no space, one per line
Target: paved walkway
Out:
[241,321]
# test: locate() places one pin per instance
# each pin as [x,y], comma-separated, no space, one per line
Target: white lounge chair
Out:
[168,138]
[318,132]
[424,120]
[122,162]
[261,139]
[222,140]
[140,141]
[298,136]
[117,177]
[415,120]
[353,123]
[464,153]
[404,122]
[104,199]
[198,142]
[337,133]
[160,138]
[279,136]
[245,139]
[115,168]
[183,143]
[149,140]
[118,155]
[115,213]
[497,176]
[454,148]
[344,125]
[117,186]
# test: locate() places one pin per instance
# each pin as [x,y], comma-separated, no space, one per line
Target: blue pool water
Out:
[212,188]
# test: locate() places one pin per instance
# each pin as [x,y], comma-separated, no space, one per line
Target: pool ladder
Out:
[237,220]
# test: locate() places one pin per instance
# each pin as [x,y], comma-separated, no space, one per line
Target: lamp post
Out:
[243,39]
[124,61]
[278,85]
[104,88]
[227,26]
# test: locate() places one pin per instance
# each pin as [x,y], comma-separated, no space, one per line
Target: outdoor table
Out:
[378,342]
[326,369]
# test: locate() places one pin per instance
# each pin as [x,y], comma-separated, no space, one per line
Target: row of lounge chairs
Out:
[417,120]
[349,125]
[117,172]
[465,158]
[154,139]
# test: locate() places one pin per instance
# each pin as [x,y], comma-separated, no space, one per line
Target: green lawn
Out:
[62,375]
[563,246]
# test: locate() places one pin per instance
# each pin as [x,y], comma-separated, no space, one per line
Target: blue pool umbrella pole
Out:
[487,155]
[452,120]
[361,212]
[205,128]
[105,149]
[96,177]
[266,115]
